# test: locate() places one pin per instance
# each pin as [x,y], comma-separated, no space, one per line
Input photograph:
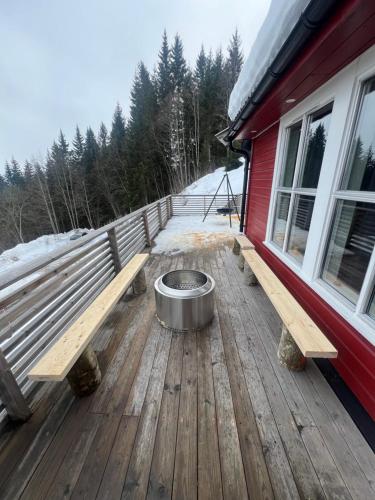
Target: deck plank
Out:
[114,475]
[137,477]
[233,475]
[257,478]
[185,472]
[48,467]
[162,467]
[25,469]
[71,467]
[209,471]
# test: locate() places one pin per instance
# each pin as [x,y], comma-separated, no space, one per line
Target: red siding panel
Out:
[356,359]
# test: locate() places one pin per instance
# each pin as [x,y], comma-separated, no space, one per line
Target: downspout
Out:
[244,151]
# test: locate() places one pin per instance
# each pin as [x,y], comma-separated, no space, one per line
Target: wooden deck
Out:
[209,415]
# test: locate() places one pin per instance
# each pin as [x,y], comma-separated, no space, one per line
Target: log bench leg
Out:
[236,247]
[289,353]
[85,376]
[241,261]
[139,283]
[249,276]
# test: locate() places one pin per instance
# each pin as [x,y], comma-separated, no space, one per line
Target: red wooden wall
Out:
[356,359]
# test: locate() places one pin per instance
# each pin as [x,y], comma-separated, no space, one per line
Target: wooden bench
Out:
[241,242]
[72,356]
[300,337]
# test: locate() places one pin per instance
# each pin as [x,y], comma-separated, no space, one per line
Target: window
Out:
[322,210]
[352,234]
[350,246]
[305,146]
[360,168]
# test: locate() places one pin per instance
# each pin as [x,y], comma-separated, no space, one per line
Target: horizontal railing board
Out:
[8,278]
[21,369]
[28,305]
[57,309]
[21,288]
[44,306]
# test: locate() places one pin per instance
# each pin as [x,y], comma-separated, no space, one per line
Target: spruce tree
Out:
[163,72]
[178,64]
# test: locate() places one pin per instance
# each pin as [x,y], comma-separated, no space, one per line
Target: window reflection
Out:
[350,246]
[301,220]
[291,155]
[282,209]
[316,143]
[360,171]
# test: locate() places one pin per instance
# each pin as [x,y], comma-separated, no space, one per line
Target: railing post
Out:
[147,230]
[114,249]
[160,216]
[10,393]
[170,206]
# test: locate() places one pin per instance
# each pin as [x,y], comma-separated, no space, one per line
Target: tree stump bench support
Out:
[72,356]
[241,242]
[300,338]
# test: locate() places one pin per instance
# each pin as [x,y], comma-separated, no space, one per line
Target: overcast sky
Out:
[68,62]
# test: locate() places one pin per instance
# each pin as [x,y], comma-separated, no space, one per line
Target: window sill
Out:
[360,322]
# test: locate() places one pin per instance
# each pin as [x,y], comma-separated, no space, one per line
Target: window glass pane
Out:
[281,216]
[301,219]
[350,246]
[316,139]
[294,134]
[360,169]
[371,307]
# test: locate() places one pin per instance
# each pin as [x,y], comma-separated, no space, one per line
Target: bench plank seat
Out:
[310,339]
[60,358]
[244,242]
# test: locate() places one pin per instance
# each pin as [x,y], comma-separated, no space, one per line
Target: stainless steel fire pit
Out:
[184,299]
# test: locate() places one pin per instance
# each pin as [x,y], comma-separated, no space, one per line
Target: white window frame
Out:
[344,90]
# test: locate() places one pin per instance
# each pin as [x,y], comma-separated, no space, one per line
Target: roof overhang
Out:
[311,20]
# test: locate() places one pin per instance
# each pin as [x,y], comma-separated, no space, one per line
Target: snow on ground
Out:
[186,233]
[210,182]
[25,252]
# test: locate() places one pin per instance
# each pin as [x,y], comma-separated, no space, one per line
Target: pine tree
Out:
[117,159]
[16,173]
[163,73]
[8,174]
[178,64]
[234,61]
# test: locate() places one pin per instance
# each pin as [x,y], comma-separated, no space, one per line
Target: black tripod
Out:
[229,209]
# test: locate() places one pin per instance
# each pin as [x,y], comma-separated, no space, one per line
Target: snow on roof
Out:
[279,23]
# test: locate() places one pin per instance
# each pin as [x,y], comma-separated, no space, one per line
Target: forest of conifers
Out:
[166,143]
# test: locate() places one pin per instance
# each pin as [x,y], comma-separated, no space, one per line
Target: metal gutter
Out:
[245,151]
[308,24]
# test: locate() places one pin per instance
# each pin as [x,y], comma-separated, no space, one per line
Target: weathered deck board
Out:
[207,415]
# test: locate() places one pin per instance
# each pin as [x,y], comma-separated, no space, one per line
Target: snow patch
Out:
[210,182]
[25,252]
[186,233]
[279,23]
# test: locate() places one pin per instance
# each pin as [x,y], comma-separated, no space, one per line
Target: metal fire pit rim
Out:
[201,291]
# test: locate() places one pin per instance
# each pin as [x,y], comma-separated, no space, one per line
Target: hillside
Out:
[177,236]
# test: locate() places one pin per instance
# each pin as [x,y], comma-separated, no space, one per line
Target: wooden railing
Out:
[40,299]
